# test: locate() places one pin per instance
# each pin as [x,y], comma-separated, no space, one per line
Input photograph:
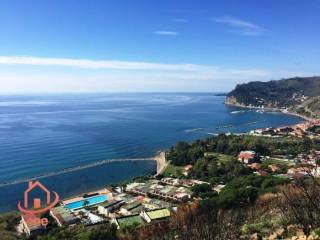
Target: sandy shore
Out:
[161,162]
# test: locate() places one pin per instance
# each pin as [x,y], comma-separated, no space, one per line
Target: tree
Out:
[299,203]
[86,203]
[201,188]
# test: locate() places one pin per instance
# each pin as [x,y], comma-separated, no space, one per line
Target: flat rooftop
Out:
[158,214]
[129,221]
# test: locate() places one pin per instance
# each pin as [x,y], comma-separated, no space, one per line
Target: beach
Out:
[161,162]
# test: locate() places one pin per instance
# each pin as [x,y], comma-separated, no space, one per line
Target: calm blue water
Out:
[90,201]
[45,133]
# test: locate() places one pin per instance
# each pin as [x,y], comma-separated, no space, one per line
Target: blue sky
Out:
[163,45]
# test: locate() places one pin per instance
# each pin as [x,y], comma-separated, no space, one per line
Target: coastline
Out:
[162,163]
[160,158]
[271,110]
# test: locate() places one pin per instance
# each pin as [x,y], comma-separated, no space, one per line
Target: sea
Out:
[45,135]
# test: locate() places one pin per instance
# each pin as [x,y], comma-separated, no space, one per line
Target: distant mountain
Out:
[221,94]
[298,95]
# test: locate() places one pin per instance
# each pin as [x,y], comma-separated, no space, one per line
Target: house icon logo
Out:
[37,207]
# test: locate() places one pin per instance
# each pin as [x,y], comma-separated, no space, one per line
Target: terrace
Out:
[63,216]
[158,214]
[133,220]
[89,218]
[130,208]
[108,207]
[31,226]
[152,188]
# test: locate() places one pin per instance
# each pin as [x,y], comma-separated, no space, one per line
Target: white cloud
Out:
[69,74]
[122,81]
[236,25]
[166,33]
[126,65]
[97,64]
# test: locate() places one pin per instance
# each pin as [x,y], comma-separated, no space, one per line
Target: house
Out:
[285,130]
[63,216]
[300,171]
[254,166]
[315,172]
[31,225]
[108,207]
[153,215]
[171,181]
[187,169]
[218,188]
[247,157]
[261,173]
[128,209]
[274,168]
[88,218]
[314,157]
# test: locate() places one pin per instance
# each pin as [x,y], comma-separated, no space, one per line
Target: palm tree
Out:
[85,203]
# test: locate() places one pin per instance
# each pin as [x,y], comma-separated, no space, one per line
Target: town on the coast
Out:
[154,199]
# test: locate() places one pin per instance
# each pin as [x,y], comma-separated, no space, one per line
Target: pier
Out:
[77,168]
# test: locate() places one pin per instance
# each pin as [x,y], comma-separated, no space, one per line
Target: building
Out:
[63,216]
[314,157]
[133,220]
[108,207]
[31,225]
[247,157]
[89,218]
[299,172]
[274,168]
[261,173]
[187,169]
[167,192]
[181,182]
[254,166]
[218,188]
[285,130]
[129,208]
[155,215]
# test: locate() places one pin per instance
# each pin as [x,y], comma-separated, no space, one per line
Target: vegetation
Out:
[201,190]
[299,203]
[215,172]
[184,153]
[8,222]
[315,129]
[194,221]
[245,190]
[173,171]
[283,166]
[248,204]
[292,211]
[105,231]
[297,94]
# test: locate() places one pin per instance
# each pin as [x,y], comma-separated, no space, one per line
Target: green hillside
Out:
[301,95]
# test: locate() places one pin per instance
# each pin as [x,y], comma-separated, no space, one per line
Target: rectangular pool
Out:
[87,202]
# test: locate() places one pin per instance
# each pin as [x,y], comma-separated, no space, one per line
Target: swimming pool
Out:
[87,202]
